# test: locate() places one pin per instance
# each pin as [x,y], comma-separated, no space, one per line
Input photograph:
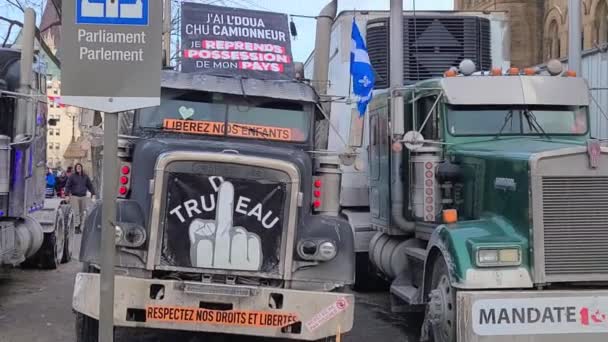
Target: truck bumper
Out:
[216,308]
[539,316]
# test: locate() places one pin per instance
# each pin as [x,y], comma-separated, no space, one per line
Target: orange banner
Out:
[261,319]
[236,130]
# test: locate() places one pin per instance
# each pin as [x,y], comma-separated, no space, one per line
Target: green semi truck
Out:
[492,218]
[477,197]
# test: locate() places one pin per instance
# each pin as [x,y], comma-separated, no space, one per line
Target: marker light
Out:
[513,71]
[571,73]
[450,73]
[125,170]
[450,216]
[123,190]
[496,72]
[529,71]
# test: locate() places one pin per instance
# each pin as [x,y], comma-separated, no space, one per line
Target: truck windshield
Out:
[509,120]
[227,115]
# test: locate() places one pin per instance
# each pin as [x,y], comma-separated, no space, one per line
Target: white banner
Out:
[538,316]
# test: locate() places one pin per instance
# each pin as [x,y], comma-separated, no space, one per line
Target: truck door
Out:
[379,160]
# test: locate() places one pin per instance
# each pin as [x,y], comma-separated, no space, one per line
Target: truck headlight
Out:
[321,250]
[489,257]
[130,235]
[118,234]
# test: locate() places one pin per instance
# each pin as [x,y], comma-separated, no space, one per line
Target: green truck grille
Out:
[575,225]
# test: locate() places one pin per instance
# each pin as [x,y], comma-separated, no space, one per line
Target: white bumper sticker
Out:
[539,316]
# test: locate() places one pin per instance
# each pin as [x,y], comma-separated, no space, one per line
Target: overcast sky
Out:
[304,43]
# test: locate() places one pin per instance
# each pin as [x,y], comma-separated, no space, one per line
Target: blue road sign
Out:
[112,12]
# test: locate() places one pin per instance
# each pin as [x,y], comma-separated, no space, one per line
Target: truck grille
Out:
[221,216]
[575,217]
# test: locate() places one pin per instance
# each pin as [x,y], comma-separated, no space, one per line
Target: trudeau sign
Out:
[224,223]
[230,41]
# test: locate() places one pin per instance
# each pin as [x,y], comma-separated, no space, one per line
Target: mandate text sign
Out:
[235,42]
[111,54]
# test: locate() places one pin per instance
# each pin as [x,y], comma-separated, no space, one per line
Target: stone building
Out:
[539,28]
[64,139]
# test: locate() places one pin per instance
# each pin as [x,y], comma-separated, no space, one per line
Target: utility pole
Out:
[574,36]
[167,32]
[396,66]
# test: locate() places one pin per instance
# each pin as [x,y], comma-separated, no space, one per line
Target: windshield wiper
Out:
[251,129]
[508,118]
[533,123]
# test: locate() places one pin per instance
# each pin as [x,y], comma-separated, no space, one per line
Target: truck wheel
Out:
[51,252]
[68,248]
[441,310]
[87,328]
[366,276]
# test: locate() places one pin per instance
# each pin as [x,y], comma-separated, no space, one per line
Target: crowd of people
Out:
[56,182]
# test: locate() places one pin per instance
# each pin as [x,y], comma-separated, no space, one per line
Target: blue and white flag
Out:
[361,70]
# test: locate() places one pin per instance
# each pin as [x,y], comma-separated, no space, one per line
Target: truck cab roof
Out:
[510,90]
[277,89]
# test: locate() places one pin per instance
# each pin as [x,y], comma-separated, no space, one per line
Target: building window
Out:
[57,146]
[601,23]
[55,91]
[553,47]
[56,131]
[50,131]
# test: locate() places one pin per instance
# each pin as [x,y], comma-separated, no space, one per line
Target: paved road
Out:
[35,306]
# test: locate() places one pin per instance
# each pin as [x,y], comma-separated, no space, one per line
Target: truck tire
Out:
[51,252]
[441,309]
[68,249]
[366,276]
[87,328]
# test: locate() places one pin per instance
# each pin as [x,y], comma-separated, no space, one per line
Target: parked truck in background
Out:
[444,38]
[33,230]
[485,194]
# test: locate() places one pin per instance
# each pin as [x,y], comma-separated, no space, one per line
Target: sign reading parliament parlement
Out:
[111,54]
[235,42]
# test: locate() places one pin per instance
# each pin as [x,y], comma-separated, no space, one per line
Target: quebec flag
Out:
[361,70]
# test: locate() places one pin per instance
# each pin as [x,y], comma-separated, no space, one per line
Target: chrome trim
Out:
[538,266]
[165,159]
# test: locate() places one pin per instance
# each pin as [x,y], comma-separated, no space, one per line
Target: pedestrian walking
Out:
[76,190]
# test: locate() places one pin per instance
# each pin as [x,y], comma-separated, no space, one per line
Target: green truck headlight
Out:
[492,257]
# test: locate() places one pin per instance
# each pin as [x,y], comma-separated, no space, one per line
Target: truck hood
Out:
[514,148]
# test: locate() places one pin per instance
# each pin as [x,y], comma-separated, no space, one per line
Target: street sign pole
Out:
[111,62]
[108,211]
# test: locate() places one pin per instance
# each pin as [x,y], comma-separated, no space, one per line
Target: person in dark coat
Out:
[76,191]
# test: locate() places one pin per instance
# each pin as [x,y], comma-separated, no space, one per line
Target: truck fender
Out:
[360,223]
[436,248]
[462,237]
[47,216]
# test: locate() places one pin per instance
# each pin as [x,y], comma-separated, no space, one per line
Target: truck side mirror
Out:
[355,135]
